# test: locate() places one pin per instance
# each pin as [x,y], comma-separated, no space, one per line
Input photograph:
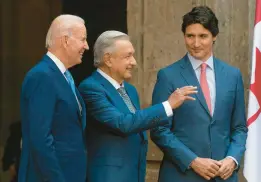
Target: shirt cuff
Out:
[234,160]
[167,108]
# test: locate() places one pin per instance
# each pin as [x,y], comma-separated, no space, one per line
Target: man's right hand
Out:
[180,95]
[205,167]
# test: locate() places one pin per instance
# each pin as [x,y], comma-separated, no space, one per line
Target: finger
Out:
[228,175]
[189,98]
[225,176]
[189,92]
[222,170]
[206,176]
[215,164]
[211,173]
[219,163]
[188,88]
[177,91]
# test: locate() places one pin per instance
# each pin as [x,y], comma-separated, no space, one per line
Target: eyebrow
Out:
[196,34]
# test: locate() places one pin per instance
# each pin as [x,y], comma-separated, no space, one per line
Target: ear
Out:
[107,59]
[215,38]
[64,41]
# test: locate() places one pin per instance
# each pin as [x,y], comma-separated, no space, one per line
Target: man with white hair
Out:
[116,131]
[52,110]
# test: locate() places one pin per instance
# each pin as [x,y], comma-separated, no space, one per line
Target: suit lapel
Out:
[113,93]
[220,79]
[190,77]
[120,104]
[64,84]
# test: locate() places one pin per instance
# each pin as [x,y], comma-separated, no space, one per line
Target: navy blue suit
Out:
[192,131]
[116,138]
[53,147]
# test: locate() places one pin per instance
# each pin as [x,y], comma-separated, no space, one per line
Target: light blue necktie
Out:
[126,99]
[70,81]
[130,106]
[72,85]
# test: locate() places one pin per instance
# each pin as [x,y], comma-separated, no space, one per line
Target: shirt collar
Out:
[115,84]
[196,63]
[57,61]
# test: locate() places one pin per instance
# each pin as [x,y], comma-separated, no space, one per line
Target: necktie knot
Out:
[203,67]
[122,91]
[70,80]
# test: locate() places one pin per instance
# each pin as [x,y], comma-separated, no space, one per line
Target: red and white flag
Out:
[252,166]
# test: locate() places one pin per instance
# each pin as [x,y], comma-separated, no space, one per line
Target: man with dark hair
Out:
[205,139]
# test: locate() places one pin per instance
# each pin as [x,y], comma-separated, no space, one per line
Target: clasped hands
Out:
[209,168]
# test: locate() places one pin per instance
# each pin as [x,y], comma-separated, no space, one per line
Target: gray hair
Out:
[105,44]
[61,26]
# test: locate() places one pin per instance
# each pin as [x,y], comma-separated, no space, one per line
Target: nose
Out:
[86,46]
[197,42]
[134,62]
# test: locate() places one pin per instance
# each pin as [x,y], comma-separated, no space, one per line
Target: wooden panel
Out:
[25,26]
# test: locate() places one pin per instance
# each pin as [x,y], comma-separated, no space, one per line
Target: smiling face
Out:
[121,61]
[77,44]
[199,41]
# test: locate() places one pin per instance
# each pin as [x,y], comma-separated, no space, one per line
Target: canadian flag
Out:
[252,166]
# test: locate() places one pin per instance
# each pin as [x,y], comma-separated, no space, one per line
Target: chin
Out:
[197,56]
[79,61]
[127,77]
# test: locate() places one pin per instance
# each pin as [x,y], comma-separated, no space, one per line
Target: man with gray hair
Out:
[52,110]
[116,131]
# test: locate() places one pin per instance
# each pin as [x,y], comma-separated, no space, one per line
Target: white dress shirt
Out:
[58,63]
[116,85]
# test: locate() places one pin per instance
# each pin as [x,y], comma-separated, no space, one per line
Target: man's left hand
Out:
[227,168]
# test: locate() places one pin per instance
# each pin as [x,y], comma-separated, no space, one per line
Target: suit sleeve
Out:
[238,123]
[41,105]
[103,111]
[162,136]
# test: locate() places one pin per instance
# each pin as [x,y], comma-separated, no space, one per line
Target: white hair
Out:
[61,26]
[105,44]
